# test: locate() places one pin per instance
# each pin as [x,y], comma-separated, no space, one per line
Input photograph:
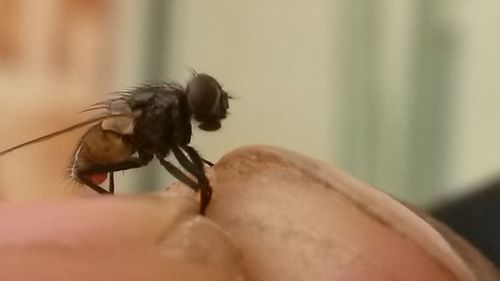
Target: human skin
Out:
[275,215]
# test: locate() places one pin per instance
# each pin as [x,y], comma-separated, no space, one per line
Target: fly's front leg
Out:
[207,162]
[194,165]
[178,174]
[204,188]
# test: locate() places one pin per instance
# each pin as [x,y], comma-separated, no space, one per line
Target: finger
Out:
[298,219]
[153,237]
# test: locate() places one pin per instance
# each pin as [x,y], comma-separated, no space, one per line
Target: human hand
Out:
[140,237]
[275,215]
[296,218]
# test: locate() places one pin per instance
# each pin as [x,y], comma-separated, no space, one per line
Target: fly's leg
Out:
[98,169]
[194,165]
[197,161]
[178,174]
[92,185]
[194,160]
[207,162]
[111,182]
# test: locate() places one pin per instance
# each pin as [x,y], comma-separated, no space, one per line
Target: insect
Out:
[150,121]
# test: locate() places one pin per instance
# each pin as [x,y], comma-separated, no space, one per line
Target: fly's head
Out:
[208,101]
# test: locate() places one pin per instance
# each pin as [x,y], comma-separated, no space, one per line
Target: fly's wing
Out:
[118,113]
[113,108]
[60,132]
[118,109]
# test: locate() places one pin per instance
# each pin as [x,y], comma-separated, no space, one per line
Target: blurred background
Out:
[401,94]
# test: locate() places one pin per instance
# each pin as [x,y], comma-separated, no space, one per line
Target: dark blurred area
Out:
[476,217]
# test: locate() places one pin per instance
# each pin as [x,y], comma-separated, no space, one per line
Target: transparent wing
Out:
[60,132]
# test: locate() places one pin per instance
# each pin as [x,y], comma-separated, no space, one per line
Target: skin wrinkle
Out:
[287,234]
[181,216]
[120,245]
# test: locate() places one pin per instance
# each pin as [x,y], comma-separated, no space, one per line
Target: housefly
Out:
[146,122]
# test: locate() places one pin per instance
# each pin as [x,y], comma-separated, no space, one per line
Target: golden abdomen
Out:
[103,147]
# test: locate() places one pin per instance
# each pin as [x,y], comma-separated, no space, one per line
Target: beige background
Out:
[402,94]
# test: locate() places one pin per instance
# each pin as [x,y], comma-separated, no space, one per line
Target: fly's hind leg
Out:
[83,175]
[194,165]
[111,182]
[92,185]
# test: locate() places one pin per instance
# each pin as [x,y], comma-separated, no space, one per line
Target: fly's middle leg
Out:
[178,174]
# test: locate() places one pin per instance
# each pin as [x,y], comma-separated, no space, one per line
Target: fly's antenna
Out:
[57,133]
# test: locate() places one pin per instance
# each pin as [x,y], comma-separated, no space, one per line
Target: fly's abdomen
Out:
[100,148]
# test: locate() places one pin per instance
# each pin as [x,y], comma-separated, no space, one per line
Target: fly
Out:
[150,121]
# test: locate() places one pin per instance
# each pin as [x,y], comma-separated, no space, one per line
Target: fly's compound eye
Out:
[208,101]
